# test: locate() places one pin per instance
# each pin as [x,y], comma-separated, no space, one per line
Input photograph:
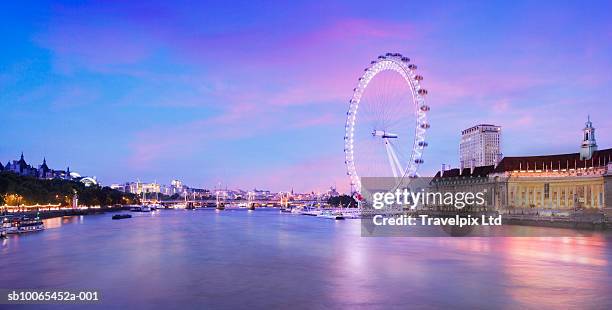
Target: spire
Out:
[588,145]
[22,163]
[44,166]
[588,123]
[21,159]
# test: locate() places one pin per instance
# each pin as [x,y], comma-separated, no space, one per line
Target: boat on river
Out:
[310,211]
[121,216]
[21,224]
[332,215]
[142,208]
[155,206]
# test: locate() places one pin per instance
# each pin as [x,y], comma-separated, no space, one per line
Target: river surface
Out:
[180,259]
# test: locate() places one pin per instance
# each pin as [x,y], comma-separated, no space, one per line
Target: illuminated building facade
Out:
[561,182]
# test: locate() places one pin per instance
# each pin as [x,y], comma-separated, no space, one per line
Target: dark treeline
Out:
[344,200]
[15,190]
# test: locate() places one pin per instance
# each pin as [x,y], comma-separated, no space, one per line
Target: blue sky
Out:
[255,94]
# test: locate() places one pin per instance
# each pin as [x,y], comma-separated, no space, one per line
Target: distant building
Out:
[119,187]
[480,146]
[200,193]
[332,192]
[139,188]
[89,181]
[262,194]
[177,187]
[22,168]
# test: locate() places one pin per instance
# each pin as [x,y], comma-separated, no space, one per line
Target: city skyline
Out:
[257,96]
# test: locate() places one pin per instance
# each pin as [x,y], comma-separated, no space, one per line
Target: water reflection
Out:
[559,272]
[264,259]
[57,222]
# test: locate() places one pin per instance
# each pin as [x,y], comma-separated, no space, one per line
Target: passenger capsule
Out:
[422,92]
[412,66]
[418,77]
[388,54]
[424,108]
[418,161]
[425,126]
[423,144]
[405,59]
[372,62]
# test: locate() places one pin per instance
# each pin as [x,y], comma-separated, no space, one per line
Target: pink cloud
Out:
[526,120]
[501,106]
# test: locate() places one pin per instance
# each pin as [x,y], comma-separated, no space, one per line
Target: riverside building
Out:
[22,168]
[580,181]
[480,146]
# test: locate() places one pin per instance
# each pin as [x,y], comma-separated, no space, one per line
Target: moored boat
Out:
[22,224]
[155,206]
[221,206]
[3,229]
[311,212]
[328,214]
[142,208]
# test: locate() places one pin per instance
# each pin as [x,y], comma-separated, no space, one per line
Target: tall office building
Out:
[480,146]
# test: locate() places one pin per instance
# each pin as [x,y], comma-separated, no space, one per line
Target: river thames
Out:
[242,259]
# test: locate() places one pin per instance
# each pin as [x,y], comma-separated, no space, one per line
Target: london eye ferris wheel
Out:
[386,121]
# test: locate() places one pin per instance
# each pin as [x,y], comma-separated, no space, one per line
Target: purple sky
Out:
[254,94]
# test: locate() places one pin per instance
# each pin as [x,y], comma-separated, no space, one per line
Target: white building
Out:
[139,188]
[589,145]
[119,187]
[177,187]
[480,146]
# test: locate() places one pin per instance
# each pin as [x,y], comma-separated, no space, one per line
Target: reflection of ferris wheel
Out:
[386,121]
